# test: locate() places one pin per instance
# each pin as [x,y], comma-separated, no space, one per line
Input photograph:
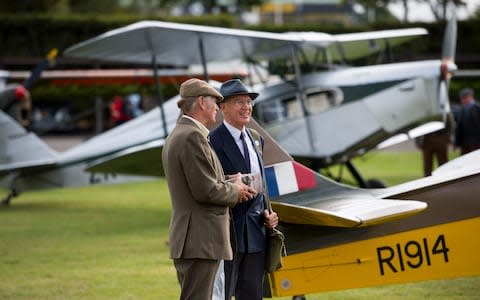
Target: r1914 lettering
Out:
[412,255]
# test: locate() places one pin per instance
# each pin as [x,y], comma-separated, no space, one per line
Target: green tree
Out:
[440,8]
[376,10]
[28,6]
[60,6]
[476,14]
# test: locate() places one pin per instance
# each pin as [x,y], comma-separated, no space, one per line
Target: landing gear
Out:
[371,183]
[375,184]
[299,297]
[6,201]
[361,182]
[316,165]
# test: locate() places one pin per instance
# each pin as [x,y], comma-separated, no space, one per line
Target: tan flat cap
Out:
[195,87]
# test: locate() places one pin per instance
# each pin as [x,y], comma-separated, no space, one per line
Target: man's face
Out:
[237,110]
[467,99]
[211,109]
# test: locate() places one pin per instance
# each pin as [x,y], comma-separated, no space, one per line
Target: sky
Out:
[422,13]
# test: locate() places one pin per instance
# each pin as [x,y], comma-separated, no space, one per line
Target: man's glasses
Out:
[242,103]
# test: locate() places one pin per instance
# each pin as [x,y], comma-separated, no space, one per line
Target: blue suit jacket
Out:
[248,218]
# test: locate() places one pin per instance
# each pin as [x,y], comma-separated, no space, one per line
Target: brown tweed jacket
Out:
[199,225]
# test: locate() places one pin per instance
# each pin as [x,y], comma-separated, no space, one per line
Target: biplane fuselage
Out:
[384,99]
[434,244]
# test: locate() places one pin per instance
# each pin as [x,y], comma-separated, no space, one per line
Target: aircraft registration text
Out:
[411,255]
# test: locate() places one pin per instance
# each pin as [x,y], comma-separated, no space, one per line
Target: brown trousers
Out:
[434,146]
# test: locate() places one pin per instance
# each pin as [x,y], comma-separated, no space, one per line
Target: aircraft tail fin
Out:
[290,177]
[19,148]
[283,174]
[294,188]
[338,205]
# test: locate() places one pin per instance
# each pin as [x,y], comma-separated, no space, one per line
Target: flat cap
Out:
[195,87]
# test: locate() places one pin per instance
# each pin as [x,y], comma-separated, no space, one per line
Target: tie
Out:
[245,151]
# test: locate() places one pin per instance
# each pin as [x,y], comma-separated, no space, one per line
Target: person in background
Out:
[199,232]
[467,134]
[119,110]
[435,145]
[239,150]
[135,102]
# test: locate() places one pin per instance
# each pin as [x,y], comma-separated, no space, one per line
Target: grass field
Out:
[110,242]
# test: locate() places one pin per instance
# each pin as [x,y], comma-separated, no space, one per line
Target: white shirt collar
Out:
[233,130]
[199,124]
[254,164]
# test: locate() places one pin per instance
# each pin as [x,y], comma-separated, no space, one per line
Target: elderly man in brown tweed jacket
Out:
[199,228]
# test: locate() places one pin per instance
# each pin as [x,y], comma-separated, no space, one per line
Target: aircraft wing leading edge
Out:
[301,196]
[175,43]
[178,44]
[348,212]
[132,161]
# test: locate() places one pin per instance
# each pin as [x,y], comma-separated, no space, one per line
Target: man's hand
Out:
[246,192]
[271,219]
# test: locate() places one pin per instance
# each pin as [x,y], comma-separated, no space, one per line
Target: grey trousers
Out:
[196,277]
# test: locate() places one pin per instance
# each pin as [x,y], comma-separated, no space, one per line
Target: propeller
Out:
[46,63]
[15,98]
[447,65]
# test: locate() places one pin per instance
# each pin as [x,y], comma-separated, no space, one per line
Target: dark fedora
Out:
[235,87]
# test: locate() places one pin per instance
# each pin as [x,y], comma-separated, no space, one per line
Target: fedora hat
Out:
[235,87]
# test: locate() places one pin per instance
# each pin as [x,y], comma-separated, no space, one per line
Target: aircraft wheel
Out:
[299,297]
[375,184]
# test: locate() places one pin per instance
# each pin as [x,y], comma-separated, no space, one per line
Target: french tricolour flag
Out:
[288,177]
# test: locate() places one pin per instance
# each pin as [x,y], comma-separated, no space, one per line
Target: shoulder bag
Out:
[276,249]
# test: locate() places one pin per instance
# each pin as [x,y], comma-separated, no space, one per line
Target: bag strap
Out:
[266,198]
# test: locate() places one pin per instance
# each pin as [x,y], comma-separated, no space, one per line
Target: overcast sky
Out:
[421,12]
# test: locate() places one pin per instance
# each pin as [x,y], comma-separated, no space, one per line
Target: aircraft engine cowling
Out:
[15,100]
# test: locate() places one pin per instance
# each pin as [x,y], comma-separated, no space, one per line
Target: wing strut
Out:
[301,97]
[202,57]
[247,61]
[148,39]
[252,66]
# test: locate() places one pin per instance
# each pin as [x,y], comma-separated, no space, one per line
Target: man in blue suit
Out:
[240,151]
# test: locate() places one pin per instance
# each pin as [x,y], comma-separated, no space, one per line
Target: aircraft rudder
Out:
[17,145]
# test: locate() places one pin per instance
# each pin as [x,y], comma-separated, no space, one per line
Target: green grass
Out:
[390,167]
[110,242]
[104,242]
